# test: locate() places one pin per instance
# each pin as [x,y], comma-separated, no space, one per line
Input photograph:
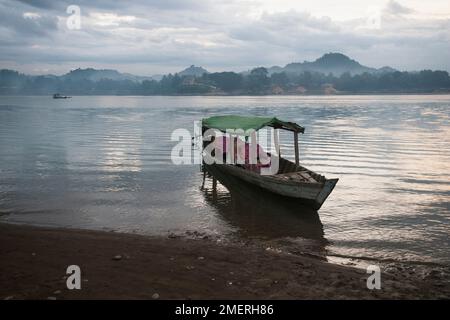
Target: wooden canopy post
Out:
[297,161]
[276,139]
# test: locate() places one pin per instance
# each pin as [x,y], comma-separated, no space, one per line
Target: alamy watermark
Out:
[374,280]
[74,279]
[73,21]
[258,150]
[373,18]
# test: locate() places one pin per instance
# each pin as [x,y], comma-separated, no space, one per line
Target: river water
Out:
[103,162]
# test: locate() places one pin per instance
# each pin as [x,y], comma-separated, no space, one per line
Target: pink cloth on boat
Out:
[242,152]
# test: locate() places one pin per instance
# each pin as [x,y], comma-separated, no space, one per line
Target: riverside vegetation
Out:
[333,73]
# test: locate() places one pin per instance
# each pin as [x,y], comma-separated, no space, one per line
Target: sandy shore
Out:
[33,263]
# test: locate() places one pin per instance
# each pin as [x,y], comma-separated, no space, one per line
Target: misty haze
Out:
[224,155]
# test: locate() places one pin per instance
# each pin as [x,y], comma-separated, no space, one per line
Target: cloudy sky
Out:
[160,36]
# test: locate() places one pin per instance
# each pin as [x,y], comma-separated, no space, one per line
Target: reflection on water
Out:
[104,162]
[257,213]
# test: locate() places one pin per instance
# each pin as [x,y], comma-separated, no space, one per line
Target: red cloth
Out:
[254,167]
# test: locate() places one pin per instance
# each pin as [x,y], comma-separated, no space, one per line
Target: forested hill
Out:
[331,74]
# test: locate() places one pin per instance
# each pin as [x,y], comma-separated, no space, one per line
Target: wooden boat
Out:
[267,215]
[291,180]
[59,96]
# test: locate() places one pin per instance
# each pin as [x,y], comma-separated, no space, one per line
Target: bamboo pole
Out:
[297,161]
[277,142]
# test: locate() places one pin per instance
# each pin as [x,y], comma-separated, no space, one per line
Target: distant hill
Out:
[193,71]
[97,75]
[333,73]
[335,63]
[386,70]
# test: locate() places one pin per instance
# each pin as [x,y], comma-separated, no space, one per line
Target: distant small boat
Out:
[60,96]
[292,180]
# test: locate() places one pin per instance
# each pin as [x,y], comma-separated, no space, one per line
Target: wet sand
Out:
[33,264]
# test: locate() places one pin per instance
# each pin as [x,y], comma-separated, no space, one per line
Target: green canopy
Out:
[223,123]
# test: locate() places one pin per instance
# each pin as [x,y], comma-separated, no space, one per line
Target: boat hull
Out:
[310,194]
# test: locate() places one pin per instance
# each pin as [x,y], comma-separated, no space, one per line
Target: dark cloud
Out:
[393,7]
[114,5]
[21,23]
[216,34]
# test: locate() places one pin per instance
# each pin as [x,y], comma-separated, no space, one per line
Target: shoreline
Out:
[312,94]
[127,266]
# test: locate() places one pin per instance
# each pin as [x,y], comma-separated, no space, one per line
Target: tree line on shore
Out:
[256,82]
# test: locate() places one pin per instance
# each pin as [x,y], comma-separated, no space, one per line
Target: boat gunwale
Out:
[274,178]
